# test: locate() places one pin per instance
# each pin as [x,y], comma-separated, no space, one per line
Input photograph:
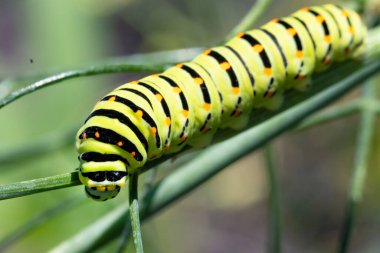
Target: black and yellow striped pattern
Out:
[186,104]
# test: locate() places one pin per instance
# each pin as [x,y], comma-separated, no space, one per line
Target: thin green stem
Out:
[360,167]
[253,15]
[134,212]
[148,185]
[331,114]
[112,68]
[342,111]
[39,185]
[274,203]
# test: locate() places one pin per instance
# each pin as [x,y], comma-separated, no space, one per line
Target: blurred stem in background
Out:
[254,14]
[363,148]
[274,221]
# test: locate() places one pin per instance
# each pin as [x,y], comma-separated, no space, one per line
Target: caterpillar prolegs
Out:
[186,104]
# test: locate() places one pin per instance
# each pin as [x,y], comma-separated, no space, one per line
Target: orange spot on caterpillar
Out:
[159,97]
[268,71]
[239,35]
[133,153]
[120,143]
[326,60]
[198,80]
[328,38]
[205,130]
[183,138]
[299,54]
[270,94]
[177,90]
[167,146]
[301,77]
[84,136]
[305,9]
[179,65]
[225,65]
[351,30]
[113,98]
[207,106]
[236,90]
[291,31]
[207,52]
[275,20]
[134,82]
[97,135]
[320,19]
[153,130]
[258,48]
[139,113]
[185,113]
[345,12]
[155,75]
[168,121]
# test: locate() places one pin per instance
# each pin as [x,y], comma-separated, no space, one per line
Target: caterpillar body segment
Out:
[186,104]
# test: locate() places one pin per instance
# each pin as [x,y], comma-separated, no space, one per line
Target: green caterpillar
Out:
[185,105]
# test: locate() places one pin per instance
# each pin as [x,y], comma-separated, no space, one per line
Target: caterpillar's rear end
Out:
[186,104]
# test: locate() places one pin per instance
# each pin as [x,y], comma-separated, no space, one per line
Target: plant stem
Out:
[39,185]
[274,203]
[134,212]
[355,193]
[112,68]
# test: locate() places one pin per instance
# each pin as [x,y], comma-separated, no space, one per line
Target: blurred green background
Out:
[228,213]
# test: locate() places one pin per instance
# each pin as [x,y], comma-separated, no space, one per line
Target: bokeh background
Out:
[228,213]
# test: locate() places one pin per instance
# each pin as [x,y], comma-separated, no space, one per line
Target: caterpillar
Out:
[186,104]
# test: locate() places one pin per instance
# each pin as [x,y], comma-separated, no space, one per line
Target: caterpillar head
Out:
[102,179]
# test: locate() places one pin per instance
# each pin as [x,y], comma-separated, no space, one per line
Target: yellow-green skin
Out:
[186,104]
